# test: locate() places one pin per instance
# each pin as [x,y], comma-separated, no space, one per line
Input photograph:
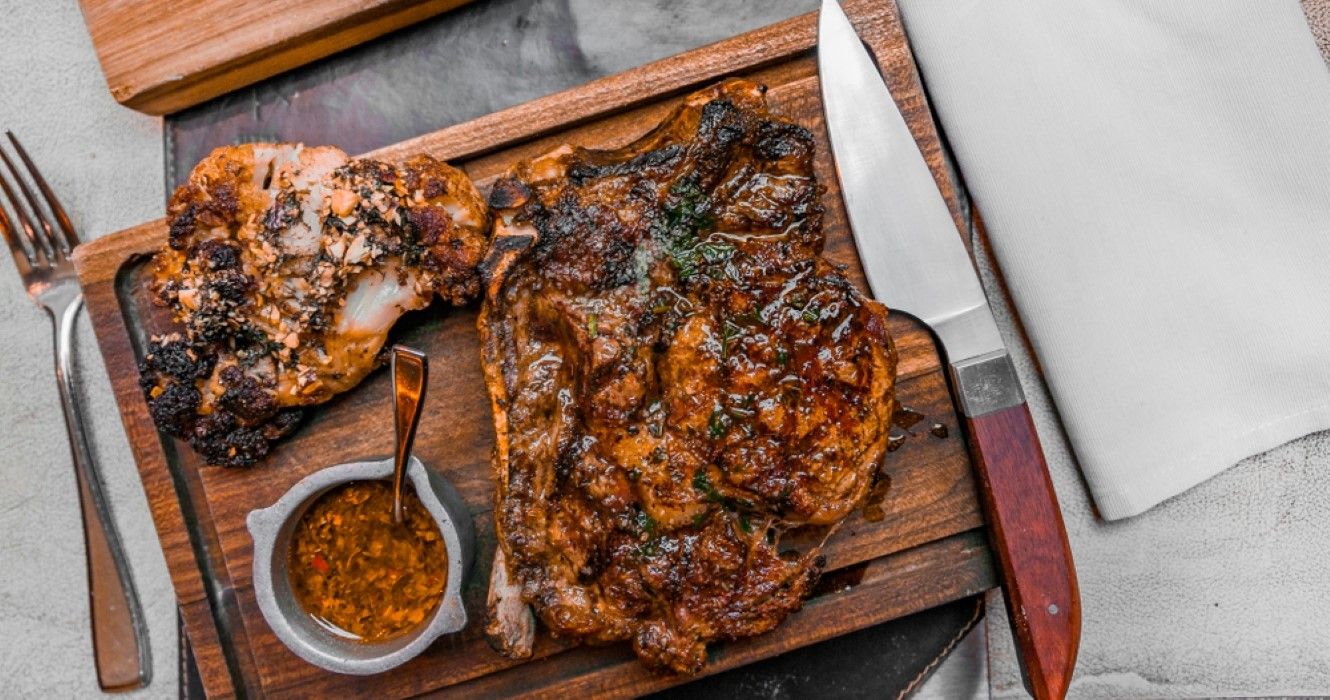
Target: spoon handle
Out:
[410,370]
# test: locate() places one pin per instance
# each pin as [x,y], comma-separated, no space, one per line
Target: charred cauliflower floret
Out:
[285,268]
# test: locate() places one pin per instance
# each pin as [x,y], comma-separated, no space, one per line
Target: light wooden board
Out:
[929,548]
[161,56]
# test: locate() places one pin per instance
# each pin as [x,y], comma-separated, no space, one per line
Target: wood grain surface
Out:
[161,56]
[927,549]
[1043,599]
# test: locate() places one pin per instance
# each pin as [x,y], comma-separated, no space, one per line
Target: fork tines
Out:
[43,244]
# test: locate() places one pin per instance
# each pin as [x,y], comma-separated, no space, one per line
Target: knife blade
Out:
[916,262]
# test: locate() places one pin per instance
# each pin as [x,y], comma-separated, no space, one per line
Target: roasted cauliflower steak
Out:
[284,270]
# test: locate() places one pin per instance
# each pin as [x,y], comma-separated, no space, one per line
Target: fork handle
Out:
[119,635]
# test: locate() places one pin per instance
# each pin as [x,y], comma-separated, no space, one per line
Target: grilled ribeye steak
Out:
[285,268]
[677,378]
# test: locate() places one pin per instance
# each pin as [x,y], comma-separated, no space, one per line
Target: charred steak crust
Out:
[284,269]
[677,378]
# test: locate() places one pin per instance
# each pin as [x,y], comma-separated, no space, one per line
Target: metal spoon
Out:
[410,369]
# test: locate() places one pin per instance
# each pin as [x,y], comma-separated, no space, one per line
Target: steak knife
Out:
[916,262]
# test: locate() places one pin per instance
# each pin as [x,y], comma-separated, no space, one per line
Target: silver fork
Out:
[41,254]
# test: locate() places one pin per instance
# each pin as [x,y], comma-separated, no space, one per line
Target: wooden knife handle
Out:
[1043,600]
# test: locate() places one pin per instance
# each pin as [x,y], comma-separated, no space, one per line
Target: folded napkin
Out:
[1155,180]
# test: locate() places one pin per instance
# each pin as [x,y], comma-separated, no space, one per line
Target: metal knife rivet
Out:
[1052,609]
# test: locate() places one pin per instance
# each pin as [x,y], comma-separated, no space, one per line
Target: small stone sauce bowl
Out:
[272,529]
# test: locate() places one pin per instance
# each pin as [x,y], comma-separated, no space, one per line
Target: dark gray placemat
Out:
[464,64]
[890,660]
[496,54]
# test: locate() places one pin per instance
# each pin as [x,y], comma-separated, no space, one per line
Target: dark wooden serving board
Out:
[928,549]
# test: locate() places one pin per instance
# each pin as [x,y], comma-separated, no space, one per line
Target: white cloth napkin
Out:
[1155,179]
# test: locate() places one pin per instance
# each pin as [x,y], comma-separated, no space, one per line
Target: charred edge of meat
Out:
[509,193]
[510,626]
[500,255]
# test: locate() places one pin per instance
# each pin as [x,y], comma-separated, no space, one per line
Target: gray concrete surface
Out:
[106,164]
[1221,591]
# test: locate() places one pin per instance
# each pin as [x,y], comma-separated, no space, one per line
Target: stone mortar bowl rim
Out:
[271,530]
